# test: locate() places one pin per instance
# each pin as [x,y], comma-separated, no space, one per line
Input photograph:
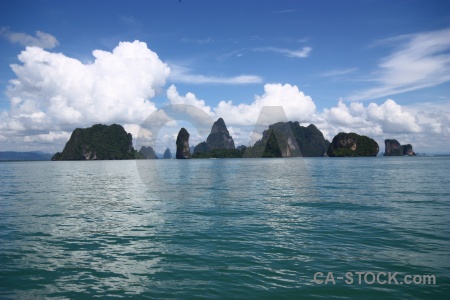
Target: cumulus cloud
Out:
[55,91]
[41,40]
[385,119]
[380,121]
[346,116]
[420,60]
[189,99]
[424,125]
[432,116]
[295,103]
[297,106]
[243,117]
[52,136]
[392,118]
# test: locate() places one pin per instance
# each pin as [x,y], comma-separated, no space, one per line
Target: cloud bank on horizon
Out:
[53,93]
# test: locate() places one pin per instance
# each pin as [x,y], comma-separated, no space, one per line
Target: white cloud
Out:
[133,129]
[189,99]
[392,118]
[54,92]
[301,53]
[51,136]
[116,87]
[346,116]
[435,115]
[183,74]
[243,117]
[297,106]
[424,125]
[41,40]
[388,120]
[421,60]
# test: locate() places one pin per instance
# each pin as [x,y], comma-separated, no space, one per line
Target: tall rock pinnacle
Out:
[183,151]
[219,138]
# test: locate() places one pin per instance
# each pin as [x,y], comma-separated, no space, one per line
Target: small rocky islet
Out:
[393,148]
[352,144]
[282,139]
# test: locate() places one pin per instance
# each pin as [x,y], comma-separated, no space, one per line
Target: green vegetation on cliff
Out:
[310,139]
[352,144]
[99,142]
[268,146]
[219,143]
[289,139]
[219,138]
[272,148]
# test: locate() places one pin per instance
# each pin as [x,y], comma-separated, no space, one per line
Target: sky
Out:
[377,68]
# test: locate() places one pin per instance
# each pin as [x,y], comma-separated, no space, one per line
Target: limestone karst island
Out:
[282,139]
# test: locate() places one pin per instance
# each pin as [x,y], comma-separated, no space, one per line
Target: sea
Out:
[294,228]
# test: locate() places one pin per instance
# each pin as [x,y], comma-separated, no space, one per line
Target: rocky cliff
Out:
[218,144]
[408,150]
[148,152]
[201,149]
[352,144]
[393,148]
[99,142]
[290,139]
[219,138]
[167,154]
[183,151]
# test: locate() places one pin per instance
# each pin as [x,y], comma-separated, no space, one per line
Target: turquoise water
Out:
[224,228]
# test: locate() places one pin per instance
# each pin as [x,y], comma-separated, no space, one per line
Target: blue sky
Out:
[379,68]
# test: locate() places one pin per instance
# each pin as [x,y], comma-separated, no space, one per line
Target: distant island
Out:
[393,148]
[352,144]
[167,154]
[99,142]
[219,144]
[290,139]
[147,152]
[282,139]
